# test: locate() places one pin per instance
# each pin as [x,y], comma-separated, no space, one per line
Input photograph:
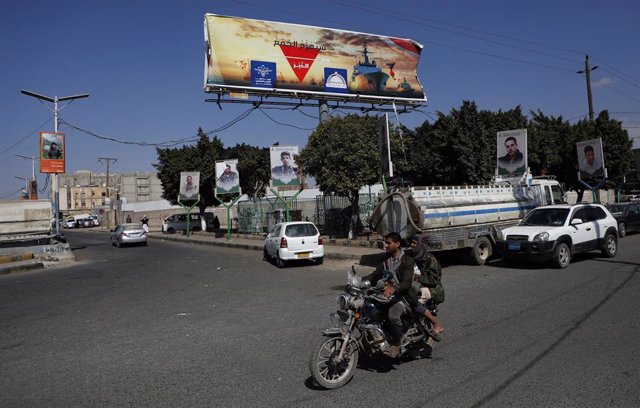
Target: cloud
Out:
[604,82]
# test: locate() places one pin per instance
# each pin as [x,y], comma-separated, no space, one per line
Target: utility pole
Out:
[108,160]
[587,71]
[54,178]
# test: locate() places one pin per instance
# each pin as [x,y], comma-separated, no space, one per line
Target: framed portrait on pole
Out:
[52,152]
[512,152]
[284,171]
[590,159]
[227,178]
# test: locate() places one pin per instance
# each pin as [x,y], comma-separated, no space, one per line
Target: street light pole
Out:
[54,179]
[587,71]
[33,164]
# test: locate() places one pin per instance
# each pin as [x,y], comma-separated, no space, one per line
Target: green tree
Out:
[253,168]
[201,157]
[342,155]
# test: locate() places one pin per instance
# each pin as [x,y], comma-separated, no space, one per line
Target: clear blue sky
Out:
[142,64]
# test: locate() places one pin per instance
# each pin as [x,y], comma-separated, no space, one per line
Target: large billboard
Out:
[265,57]
[590,158]
[284,171]
[52,152]
[512,152]
[227,178]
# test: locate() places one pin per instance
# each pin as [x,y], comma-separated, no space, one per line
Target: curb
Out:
[20,266]
[257,247]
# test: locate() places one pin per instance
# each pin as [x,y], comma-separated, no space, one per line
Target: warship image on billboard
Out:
[367,76]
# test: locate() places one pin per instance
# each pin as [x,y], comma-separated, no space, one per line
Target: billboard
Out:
[512,152]
[189,185]
[52,152]
[590,158]
[265,57]
[227,178]
[284,171]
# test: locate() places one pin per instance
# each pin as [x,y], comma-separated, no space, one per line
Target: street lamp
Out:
[587,71]
[33,164]
[55,100]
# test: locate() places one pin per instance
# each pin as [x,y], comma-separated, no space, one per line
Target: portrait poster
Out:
[512,152]
[52,152]
[189,185]
[284,171]
[227,177]
[590,159]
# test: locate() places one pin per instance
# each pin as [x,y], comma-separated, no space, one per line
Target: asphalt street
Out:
[181,325]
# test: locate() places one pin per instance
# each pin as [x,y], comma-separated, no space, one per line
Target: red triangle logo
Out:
[300,59]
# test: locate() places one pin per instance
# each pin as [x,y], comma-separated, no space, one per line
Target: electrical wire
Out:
[11,193]
[281,123]
[24,138]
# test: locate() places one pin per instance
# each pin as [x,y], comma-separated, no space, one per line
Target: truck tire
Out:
[481,251]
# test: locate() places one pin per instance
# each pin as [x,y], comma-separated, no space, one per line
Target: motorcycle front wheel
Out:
[326,369]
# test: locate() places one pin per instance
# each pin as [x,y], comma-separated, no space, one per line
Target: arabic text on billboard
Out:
[257,55]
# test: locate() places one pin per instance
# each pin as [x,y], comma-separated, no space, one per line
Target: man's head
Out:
[512,145]
[392,243]
[189,180]
[227,169]
[286,158]
[589,154]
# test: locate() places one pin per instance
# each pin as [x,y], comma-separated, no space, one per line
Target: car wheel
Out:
[118,244]
[170,230]
[610,248]
[279,261]
[481,251]
[265,254]
[320,260]
[562,255]
[622,230]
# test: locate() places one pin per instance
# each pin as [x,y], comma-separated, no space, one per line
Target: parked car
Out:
[96,221]
[69,222]
[627,215]
[557,232]
[297,240]
[178,222]
[123,234]
[86,223]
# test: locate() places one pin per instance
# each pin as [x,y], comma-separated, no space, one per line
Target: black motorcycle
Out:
[358,328]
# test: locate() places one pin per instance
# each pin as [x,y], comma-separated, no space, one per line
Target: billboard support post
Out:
[188,209]
[286,200]
[228,206]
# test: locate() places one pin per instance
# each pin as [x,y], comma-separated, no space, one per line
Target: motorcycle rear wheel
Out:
[324,368]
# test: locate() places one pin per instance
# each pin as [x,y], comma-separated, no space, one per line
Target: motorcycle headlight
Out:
[343,301]
[541,237]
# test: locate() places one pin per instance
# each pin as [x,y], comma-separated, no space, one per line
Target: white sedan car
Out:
[296,240]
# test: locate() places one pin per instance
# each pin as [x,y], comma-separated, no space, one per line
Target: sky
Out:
[142,63]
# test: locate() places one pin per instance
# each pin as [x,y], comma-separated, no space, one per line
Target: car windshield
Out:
[546,216]
[301,230]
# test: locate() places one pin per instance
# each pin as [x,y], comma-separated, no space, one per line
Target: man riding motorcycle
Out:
[398,288]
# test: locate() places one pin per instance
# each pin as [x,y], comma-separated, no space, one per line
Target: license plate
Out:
[304,254]
[513,246]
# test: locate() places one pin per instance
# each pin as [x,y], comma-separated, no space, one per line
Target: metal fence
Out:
[332,214]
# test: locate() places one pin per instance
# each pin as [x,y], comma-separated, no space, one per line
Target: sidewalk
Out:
[362,251]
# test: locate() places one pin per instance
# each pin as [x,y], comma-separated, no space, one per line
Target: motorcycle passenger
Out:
[429,275]
[398,288]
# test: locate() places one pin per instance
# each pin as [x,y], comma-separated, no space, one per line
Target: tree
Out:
[201,157]
[342,155]
[253,167]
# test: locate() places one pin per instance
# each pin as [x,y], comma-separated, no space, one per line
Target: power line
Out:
[11,193]
[24,138]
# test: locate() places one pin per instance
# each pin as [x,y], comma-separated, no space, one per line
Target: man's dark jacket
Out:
[404,289]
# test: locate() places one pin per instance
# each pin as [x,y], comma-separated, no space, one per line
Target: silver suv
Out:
[557,232]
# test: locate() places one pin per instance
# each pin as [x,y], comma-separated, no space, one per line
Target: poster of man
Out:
[227,179]
[189,185]
[283,168]
[52,153]
[590,158]
[512,152]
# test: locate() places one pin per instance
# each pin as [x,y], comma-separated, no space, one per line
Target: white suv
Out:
[556,232]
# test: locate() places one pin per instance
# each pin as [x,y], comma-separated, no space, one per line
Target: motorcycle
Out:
[358,328]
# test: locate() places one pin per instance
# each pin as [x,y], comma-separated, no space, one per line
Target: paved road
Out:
[179,325]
